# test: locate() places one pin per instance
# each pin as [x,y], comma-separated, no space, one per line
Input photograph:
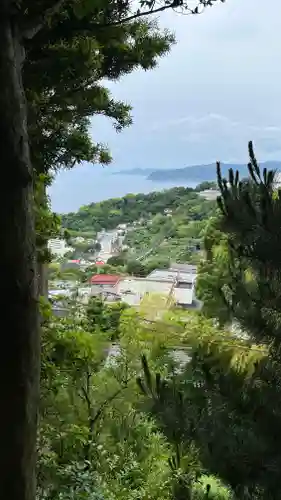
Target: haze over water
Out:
[70,191]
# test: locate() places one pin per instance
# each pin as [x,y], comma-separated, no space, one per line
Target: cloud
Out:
[218,88]
[192,121]
[221,133]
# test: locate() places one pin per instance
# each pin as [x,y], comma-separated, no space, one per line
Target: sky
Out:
[219,87]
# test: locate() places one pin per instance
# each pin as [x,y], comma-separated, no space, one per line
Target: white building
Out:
[133,290]
[58,247]
[177,285]
[186,268]
[183,284]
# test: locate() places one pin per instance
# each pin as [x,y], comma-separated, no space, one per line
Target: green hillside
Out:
[174,236]
[109,213]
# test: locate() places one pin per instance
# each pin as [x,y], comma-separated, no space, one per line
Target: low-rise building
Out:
[187,268]
[58,247]
[183,284]
[102,284]
[133,290]
[180,276]
[60,294]
[177,286]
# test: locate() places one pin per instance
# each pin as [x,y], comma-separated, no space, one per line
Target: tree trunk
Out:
[42,268]
[19,325]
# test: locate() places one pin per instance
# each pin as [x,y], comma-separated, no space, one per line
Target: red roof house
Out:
[104,279]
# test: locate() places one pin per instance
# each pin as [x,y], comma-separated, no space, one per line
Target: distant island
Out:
[195,173]
[144,172]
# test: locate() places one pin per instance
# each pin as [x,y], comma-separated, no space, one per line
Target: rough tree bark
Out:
[42,267]
[19,325]
[43,279]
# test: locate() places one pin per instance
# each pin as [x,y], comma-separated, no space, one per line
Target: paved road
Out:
[105,240]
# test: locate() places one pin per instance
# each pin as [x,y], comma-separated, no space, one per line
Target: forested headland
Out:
[131,208]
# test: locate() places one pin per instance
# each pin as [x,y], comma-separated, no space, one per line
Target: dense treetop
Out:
[108,214]
[176,236]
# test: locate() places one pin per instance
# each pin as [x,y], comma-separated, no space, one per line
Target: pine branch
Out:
[253,159]
[139,13]
[35,25]
[174,4]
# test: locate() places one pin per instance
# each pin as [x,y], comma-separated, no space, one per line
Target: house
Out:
[183,284]
[58,247]
[133,290]
[179,286]
[104,284]
[60,294]
[187,268]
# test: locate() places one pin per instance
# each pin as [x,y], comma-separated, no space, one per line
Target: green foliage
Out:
[177,236]
[118,260]
[77,45]
[136,268]
[103,317]
[226,401]
[65,64]
[47,223]
[108,214]
[92,433]
[102,269]
[217,490]
[154,263]
[206,185]
[70,50]
[214,278]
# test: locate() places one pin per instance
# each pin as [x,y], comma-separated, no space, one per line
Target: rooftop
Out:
[172,275]
[104,279]
[187,268]
[133,290]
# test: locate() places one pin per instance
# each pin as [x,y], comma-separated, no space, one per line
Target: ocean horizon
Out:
[82,186]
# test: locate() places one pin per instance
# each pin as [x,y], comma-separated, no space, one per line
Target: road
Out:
[105,239]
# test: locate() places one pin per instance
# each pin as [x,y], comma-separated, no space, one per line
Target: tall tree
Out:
[59,113]
[213,273]
[229,398]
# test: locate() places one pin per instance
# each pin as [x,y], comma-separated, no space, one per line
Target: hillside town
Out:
[167,237]
[176,284]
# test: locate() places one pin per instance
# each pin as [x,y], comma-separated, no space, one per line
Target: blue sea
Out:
[88,184]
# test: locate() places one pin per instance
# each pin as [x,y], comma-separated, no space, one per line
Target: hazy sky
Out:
[219,87]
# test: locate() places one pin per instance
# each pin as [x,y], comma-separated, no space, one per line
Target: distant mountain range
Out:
[195,173]
[135,171]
